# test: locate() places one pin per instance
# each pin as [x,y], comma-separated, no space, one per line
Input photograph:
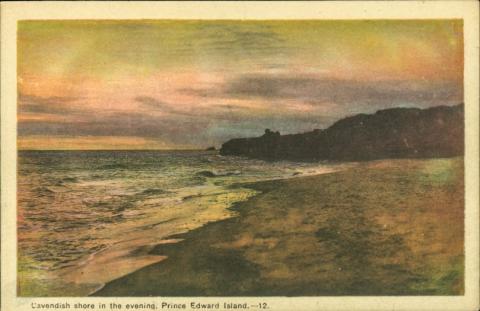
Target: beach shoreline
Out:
[328,234]
[247,189]
[122,207]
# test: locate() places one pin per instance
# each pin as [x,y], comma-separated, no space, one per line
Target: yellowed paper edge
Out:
[466,10]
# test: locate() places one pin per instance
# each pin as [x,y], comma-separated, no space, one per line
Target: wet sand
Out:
[117,221]
[390,227]
[133,241]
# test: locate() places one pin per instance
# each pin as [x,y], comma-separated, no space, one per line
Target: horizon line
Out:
[200,149]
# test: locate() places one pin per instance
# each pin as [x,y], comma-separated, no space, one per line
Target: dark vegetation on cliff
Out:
[391,133]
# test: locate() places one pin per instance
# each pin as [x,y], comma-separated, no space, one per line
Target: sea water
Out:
[88,217]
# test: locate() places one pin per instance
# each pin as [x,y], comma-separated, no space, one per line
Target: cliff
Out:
[391,133]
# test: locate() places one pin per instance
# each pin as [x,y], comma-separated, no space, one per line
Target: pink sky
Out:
[168,85]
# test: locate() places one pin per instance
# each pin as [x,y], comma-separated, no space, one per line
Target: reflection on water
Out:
[87,217]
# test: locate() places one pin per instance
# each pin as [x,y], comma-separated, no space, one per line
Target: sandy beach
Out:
[121,207]
[389,227]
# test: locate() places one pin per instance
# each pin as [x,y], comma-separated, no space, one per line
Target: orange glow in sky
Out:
[192,84]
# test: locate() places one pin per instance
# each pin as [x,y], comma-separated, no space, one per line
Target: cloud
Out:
[55,105]
[151,102]
[240,41]
[202,92]
[210,112]
[177,129]
[210,126]
[318,90]
[173,125]
[240,107]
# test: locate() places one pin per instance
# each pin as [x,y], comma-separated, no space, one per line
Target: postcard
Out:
[240,156]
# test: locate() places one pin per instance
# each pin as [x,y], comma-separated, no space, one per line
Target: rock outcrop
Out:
[391,133]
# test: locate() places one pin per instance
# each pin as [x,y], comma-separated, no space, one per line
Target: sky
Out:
[173,84]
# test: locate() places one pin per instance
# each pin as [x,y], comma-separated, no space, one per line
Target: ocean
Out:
[88,217]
